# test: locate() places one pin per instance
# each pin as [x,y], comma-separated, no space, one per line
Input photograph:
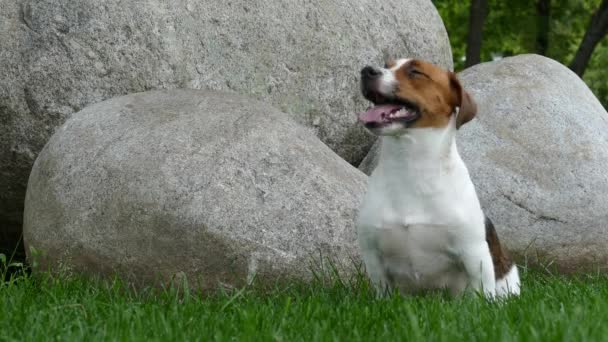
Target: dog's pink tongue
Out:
[377,113]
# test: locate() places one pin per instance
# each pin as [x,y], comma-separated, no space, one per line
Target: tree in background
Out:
[551,28]
[597,30]
[543,12]
[477,15]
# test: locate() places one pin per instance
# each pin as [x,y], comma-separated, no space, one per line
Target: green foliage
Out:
[596,75]
[511,28]
[551,308]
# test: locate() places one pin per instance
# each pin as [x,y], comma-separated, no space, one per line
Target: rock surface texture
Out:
[213,186]
[58,56]
[537,152]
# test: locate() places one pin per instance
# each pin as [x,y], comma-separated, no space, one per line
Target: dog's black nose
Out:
[370,72]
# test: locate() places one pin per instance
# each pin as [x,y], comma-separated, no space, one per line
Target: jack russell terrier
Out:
[421,226]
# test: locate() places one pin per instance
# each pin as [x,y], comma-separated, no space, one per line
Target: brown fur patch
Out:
[435,91]
[500,257]
[468,107]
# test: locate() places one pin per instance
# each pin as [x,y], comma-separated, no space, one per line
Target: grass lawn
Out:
[551,308]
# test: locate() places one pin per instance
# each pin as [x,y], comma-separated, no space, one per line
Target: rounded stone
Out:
[58,56]
[208,185]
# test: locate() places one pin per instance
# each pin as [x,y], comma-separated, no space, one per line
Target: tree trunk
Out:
[543,11]
[477,15]
[598,28]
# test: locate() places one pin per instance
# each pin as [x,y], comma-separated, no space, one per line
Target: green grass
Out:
[551,308]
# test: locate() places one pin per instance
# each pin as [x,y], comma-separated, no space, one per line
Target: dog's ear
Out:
[468,107]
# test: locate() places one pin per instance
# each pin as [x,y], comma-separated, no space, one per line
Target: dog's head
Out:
[411,93]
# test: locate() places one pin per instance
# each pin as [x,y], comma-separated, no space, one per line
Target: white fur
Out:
[509,284]
[421,224]
[388,81]
[399,63]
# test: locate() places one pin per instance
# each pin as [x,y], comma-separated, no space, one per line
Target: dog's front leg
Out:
[373,261]
[376,272]
[478,265]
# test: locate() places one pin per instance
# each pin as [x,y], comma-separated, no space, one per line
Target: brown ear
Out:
[468,107]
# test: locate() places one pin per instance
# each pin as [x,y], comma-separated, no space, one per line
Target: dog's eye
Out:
[416,73]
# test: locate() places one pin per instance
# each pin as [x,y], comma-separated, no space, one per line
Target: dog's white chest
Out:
[416,221]
[417,245]
[415,255]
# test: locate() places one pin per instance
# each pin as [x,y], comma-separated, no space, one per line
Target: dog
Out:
[421,226]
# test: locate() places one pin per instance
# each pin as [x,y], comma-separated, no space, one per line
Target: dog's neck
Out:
[426,151]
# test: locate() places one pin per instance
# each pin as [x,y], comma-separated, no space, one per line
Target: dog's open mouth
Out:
[383,114]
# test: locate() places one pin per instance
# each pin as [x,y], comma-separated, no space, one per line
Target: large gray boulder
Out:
[537,152]
[58,56]
[212,186]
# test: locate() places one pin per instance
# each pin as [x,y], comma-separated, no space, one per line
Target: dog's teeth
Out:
[397,114]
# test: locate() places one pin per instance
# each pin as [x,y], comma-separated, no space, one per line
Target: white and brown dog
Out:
[421,226]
